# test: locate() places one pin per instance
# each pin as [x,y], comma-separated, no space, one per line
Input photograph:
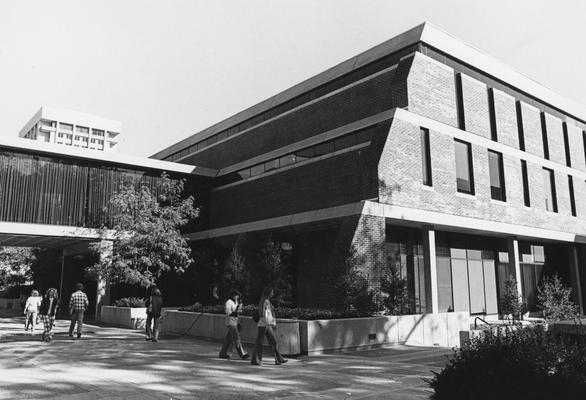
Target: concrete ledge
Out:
[124,317]
[440,329]
[213,326]
[10,304]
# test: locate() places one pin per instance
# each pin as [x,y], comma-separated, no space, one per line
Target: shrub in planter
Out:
[555,300]
[518,364]
[281,312]
[511,303]
[132,302]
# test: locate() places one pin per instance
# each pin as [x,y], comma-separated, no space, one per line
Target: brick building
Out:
[422,152]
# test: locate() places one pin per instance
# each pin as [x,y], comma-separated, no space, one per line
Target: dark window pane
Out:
[345,142]
[425,157]
[495,167]
[304,154]
[323,148]
[526,196]
[222,135]
[572,198]
[464,167]
[444,285]
[549,190]
[364,135]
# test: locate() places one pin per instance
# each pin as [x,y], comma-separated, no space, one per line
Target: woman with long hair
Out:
[266,323]
[48,311]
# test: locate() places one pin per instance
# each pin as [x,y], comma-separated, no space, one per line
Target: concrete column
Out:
[575,278]
[103,287]
[430,263]
[513,249]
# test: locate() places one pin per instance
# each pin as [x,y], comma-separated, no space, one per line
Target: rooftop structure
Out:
[72,128]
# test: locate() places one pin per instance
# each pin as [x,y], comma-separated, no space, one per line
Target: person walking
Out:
[48,311]
[78,303]
[232,308]
[153,304]
[31,311]
[266,324]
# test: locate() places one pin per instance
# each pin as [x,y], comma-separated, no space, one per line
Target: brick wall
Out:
[340,179]
[555,139]
[532,129]
[506,119]
[400,175]
[379,94]
[431,90]
[476,115]
[576,147]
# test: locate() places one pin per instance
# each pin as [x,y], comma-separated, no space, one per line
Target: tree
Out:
[511,303]
[268,268]
[15,266]
[555,300]
[147,241]
[353,284]
[235,274]
[395,292]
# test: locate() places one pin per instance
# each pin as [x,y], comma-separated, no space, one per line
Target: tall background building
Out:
[72,128]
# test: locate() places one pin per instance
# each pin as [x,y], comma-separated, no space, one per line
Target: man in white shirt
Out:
[232,308]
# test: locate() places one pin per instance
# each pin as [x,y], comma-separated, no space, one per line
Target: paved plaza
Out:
[114,363]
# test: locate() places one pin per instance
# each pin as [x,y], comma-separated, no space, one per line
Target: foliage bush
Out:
[527,363]
[555,300]
[511,303]
[132,302]
[281,312]
[395,294]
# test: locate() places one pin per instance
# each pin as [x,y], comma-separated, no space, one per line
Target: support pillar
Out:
[513,249]
[575,278]
[103,287]
[430,263]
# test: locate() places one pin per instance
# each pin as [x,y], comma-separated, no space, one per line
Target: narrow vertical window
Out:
[460,101]
[544,137]
[572,198]
[426,157]
[551,203]
[567,144]
[492,115]
[525,177]
[497,176]
[584,144]
[520,129]
[464,169]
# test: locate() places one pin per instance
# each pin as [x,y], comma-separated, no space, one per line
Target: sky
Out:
[168,69]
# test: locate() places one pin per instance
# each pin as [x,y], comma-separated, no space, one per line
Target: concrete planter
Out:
[10,304]
[124,317]
[311,337]
[441,329]
[213,326]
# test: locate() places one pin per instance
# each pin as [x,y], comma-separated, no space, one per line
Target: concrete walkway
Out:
[114,363]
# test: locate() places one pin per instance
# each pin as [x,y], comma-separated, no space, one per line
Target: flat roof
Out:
[424,32]
[54,149]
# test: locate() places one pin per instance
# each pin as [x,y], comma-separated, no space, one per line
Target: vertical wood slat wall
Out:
[42,190]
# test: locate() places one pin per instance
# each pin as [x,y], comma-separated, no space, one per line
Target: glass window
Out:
[345,142]
[544,137]
[66,127]
[572,198]
[271,165]
[425,157]
[257,170]
[304,154]
[323,148]
[526,196]
[492,115]
[551,203]
[287,160]
[98,132]
[520,129]
[464,171]
[567,144]
[460,102]
[245,173]
[364,135]
[82,129]
[497,179]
